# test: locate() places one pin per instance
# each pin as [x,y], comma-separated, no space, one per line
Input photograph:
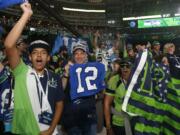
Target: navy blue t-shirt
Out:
[55,90]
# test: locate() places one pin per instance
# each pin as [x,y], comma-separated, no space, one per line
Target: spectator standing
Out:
[38,93]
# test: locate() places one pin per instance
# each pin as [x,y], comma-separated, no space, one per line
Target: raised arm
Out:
[66,75]
[10,41]
[95,40]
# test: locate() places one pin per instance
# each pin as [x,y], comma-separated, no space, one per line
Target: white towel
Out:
[34,99]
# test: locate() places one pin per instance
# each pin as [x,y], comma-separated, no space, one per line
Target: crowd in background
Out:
[112,56]
[116,55]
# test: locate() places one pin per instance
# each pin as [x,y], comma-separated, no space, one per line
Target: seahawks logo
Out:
[53,83]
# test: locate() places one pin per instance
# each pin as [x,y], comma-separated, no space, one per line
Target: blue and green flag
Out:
[153,98]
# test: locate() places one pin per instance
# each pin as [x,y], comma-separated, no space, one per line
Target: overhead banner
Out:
[159,22]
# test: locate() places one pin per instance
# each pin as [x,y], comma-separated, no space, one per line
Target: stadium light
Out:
[141,17]
[84,10]
[177,14]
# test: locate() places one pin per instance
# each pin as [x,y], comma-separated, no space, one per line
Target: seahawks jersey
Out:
[4,90]
[86,79]
[6,99]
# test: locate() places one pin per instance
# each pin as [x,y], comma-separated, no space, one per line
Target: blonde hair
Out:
[167,46]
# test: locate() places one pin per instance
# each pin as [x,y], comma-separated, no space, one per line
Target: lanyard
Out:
[43,95]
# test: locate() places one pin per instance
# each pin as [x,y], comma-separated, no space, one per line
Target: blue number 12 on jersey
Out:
[86,79]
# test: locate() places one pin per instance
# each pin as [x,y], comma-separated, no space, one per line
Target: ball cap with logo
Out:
[39,44]
[80,45]
[126,61]
[156,43]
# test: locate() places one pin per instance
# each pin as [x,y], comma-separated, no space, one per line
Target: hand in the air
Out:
[26,8]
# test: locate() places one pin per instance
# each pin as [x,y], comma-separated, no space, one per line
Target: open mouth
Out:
[39,61]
